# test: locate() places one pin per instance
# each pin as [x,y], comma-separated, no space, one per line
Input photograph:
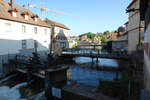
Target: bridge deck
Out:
[96,55]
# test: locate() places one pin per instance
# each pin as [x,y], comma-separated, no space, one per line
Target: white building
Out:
[21,30]
[60,34]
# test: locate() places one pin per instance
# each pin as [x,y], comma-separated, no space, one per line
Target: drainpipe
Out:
[139,29]
[52,40]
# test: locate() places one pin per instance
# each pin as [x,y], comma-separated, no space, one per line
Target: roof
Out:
[126,23]
[4,14]
[124,33]
[50,22]
[131,3]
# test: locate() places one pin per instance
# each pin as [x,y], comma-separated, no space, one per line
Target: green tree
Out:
[104,39]
[89,35]
[106,32]
[78,41]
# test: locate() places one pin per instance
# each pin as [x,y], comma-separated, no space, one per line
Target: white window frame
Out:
[24,29]
[8,27]
[45,31]
[35,30]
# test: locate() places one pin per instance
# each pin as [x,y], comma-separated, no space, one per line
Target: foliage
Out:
[104,39]
[78,41]
[89,35]
[106,32]
[107,47]
[116,88]
[103,35]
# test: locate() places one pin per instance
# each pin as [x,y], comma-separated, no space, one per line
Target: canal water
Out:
[88,75]
[78,72]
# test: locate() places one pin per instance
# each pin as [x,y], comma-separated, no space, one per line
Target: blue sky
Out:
[93,15]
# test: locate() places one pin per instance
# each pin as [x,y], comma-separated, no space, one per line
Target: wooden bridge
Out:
[93,46]
[94,53]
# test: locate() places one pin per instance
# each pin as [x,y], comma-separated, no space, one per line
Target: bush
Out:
[115,88]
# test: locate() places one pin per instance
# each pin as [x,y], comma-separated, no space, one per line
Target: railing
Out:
[95,53]
[24,63]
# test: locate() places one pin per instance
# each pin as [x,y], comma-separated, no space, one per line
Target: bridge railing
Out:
[96,53]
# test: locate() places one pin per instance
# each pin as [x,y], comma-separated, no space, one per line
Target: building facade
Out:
[60,34]
[21,31]
[135,26]
[97,39]
[113,36]
[122,43]
[145,15]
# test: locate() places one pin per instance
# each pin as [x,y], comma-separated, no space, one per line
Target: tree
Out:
[90,35]
[106,32]
[104,39]
[78,41]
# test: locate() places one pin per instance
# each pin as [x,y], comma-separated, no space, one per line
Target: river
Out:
[84,71]
[81,71]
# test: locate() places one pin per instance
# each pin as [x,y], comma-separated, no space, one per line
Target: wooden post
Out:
[29,72]
[97,60]
[117,75]
[98,52]
[94,47]
[92,60]
[54,79]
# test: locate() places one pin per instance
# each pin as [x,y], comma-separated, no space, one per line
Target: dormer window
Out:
[25,15]
[35,17]
[13,12]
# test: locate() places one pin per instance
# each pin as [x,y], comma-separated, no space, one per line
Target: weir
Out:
[54,76]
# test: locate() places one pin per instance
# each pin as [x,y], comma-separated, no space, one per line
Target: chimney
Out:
[11,3]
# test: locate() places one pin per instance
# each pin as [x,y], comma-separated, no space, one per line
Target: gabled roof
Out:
[124,33]
[50,22]
[126,23]
[131,3]
[4,14]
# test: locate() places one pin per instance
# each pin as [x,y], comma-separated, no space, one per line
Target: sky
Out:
[88,15]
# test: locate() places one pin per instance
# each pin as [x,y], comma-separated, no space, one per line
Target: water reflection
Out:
[89,76]
[101,61]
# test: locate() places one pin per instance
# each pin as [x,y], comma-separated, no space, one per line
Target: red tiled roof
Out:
[48,21]
[4,14]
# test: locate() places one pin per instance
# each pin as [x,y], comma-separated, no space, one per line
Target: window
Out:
[14,14]
[35,30]
[26,17]
[8,27]
[35,19]
[24,44]
[45,31]
[23,29]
